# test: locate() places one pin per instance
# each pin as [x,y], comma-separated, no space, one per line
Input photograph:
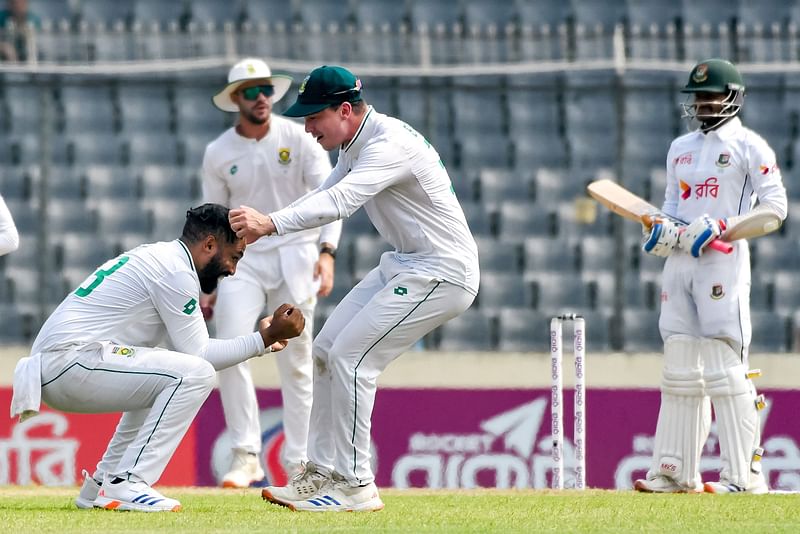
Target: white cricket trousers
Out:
[376,322]
[708,297]
[158,391]
[240,301]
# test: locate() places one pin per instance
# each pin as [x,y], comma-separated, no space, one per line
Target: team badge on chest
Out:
[284,156]
[128,352]
[717,292]
[724,160]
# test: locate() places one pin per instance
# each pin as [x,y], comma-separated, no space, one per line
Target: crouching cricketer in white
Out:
[431,277]
[95,354]
[715,175]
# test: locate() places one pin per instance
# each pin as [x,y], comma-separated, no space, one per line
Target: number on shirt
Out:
[99,276]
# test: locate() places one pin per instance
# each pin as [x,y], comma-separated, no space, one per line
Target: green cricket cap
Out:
[326,86]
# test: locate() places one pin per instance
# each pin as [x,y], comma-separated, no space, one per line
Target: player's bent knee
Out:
[202,374]
[723,371]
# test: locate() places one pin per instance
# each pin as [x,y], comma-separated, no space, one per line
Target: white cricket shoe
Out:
[134,496]
[339,496]
[662,484]
[301,487]
[757,486]
[245,469]
[89,491]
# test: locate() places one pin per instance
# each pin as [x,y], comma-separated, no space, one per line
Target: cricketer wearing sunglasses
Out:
[268,162]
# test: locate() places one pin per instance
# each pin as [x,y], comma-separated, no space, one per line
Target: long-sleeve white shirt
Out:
[143,297]
[268,174]
[398,177]
[722,173]
[9,237]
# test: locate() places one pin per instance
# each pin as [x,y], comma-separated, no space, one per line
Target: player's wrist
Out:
[327,248]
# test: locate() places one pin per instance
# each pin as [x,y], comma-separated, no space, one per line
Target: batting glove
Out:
[700,233]
[662,237]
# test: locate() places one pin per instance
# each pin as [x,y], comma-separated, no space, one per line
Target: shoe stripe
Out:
[141,498]
[329,500]
[154,501]
[315,503]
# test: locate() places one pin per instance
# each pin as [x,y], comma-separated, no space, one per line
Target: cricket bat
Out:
[622,202]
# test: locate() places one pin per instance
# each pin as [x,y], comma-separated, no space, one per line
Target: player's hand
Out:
[285,323]
[207,302]
[659,235]
[699,233]
[323,271]
[250,223]
[277,346]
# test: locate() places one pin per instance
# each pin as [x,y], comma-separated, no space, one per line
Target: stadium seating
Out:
[499,185]
[771,332]
[504,290]
[523,331]
[162,13]
[123,152]
[519,220]
[640,330]
[145,108]
[473,330]
[499,256]
[204,12]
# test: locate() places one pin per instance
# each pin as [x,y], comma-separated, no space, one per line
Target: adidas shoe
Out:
[245,469]
[339,496]
[757,486]
[89,491]
[121,494]
[662,484]
[302,486]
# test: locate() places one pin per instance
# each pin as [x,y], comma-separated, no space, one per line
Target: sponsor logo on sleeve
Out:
[683,159]
[767,169]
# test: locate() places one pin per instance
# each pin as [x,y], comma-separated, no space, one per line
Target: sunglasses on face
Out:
[251,93]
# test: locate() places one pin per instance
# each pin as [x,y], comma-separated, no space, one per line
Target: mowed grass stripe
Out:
[205,510]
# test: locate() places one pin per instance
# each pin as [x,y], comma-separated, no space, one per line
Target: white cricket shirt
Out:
[398,177]
[9,237]
[142,297]
[268,174]
[722,173]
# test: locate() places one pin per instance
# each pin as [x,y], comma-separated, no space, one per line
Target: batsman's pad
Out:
[734,398]
[684,418]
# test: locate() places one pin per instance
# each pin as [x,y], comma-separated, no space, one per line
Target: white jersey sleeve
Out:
[215,189]
[316,168]
[9,237]
[766,176]
[175,298]
[377,170]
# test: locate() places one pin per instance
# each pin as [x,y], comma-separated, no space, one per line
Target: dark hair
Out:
[205,220]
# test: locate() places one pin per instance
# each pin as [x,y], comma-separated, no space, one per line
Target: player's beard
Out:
[210,274]
[251,117]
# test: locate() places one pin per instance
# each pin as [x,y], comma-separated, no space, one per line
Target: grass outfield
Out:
[30,510]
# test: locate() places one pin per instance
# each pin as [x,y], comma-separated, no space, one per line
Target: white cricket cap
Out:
[244,71]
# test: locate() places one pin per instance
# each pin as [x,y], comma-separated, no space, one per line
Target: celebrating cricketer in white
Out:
[95,354]
[431,276]
[267,162]
[715,176]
